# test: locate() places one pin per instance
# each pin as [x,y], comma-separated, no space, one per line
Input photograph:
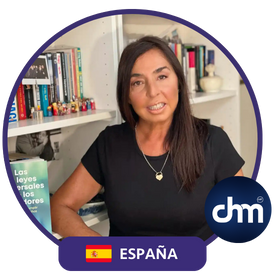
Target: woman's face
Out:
[153,90]
[41,136]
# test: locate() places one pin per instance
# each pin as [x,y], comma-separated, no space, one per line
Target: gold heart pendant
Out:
[159,176]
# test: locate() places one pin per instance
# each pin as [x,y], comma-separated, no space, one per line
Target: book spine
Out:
[80,72]
[71,78]
[43,89]
[29,99]
[60,79]
[179,53]
[13,113]
[21,102]
[51,91]
[175,49]
[197,68]
[75,84]
[172,47]
[204,61]
[55,74]
[184,64]
[211,57]
[64,77]
[192,74]
[37,102]
[77,71]
[67,76]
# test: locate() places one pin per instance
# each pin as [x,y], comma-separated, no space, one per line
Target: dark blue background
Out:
[243,190]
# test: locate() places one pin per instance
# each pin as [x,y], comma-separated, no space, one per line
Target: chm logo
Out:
[238,209]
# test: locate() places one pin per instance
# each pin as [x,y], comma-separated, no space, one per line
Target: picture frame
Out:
[38,73]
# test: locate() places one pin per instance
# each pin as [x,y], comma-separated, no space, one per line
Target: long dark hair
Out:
[187,134]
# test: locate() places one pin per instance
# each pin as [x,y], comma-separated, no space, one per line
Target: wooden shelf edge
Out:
[31,126]
[202,97]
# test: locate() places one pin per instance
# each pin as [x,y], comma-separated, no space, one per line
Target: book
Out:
[43,90]
[60,78]
[74,72]
[19,156]
[37,102]
[55,75]
[64,77]
[192,72]
[179,53]
[31,178]
[13,117]
[80,72]
[211,57]
[51,88]
[21,102]
[29,99]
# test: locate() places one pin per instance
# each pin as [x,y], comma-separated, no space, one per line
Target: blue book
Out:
[43,90]
[211,57]
[14,113]
[31,178]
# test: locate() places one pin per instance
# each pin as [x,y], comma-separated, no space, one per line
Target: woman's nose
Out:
[152,89]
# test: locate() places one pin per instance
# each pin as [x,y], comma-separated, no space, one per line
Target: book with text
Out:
[31,178]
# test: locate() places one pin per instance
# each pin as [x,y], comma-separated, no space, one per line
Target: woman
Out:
[159,166]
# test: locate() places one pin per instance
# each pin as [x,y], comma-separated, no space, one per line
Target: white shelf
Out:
[202,97]
[90,220]
[48,123]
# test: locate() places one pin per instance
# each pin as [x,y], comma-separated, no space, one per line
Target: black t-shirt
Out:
[140,205]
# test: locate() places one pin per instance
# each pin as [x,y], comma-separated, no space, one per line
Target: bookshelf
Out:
[31,126]
[102,42]
[202,97]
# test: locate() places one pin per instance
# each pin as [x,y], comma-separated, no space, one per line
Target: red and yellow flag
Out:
[98,253]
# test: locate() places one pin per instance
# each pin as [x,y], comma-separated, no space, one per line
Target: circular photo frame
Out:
[138,13]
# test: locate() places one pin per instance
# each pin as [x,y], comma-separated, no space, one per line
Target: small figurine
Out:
[68,108]
[73,107]
[83,106]
[77,107]
[93,105]
[55,109]
[49,111]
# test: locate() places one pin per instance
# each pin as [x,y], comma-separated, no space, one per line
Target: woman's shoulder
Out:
[117,128]
[114,132]
[216,135]
[213,129]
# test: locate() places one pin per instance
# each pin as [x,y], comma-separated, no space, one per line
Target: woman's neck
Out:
[150,137]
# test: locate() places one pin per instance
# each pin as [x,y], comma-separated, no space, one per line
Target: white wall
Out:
[248,131]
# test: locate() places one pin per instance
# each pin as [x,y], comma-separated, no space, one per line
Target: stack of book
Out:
[64,83]
[65,68]
[193,59]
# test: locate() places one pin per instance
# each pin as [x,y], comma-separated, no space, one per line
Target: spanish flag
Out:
[98,253]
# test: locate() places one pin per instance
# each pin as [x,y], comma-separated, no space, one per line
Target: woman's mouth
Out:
[157,107]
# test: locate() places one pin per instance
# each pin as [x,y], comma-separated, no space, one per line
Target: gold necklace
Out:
[158,174]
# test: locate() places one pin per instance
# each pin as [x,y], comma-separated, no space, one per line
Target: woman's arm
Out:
[77,190]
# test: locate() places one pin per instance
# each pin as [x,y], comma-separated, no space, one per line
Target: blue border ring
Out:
[112,13]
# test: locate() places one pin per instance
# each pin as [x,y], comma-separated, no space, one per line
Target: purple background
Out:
[190,251]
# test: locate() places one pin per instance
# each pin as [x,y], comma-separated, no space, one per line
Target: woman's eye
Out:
[162,77]
[137,83]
